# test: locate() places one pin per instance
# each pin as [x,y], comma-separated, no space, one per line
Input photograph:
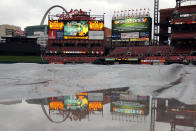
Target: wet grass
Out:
[20,59]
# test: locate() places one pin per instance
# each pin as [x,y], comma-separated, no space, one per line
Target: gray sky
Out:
[30,12]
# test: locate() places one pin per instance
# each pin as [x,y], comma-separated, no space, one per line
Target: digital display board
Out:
[96,25]
[132,24]
[128,107]
[96,106]
[76,30]
[56,105]
[75,102]
[56,25]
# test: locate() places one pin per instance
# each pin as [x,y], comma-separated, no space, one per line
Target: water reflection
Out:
[126,106]
[176,113]
[115,108]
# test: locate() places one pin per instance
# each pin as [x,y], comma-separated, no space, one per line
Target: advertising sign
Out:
[96,35]
[116,36]
[75,102]
[52,34]
[128,97]
[59,35]
[96,25]
[128,107]
[76,30]
[56,25]
[130,35]
[95,106]
[131,24]
[95,96]
[139,39]
[144,35]
[56,105]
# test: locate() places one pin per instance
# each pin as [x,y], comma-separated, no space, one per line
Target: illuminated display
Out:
[95,106]
[139,39]
[56,105]
[75,102]
[56,25]
[129,111]
[76,30]
[130,107]
[96,25]
[131,24]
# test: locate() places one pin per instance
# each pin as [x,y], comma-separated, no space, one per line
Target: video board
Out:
[56,25]
[132,25]
[95,25]
[75,102]
[76,30]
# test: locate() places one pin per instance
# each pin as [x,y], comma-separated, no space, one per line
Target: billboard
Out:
[52,34]
[144,35]
[76,30]
[96,35]
[132,25]
[95,106]
[129,35]
[60,35]
[128,107]
[95,25]
[139,39]
[116,36]
[56,25]
[56,105]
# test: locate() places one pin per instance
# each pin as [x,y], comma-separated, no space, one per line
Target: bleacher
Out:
[139,50]
[189,35]
[159,50]
[187,9]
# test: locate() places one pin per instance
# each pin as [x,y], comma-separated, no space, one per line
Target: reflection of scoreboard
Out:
[80,29]
[173,111]
[130,104]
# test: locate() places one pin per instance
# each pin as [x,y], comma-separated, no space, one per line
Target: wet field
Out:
[89,97]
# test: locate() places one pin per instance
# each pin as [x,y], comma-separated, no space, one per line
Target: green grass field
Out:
[20,59]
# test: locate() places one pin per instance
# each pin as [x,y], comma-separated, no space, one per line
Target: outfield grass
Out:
[21,59]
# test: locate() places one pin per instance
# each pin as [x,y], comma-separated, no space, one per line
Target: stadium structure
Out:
[75,36]
[78,36]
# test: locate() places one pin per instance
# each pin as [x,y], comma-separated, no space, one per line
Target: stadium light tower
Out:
[156,22]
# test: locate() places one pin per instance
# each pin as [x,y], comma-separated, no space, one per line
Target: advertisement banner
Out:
[59,35]
[116,36]
[96,35]
[96,25]
[56,25]
[130,35]
[132,25]
[128,107]
[144,35]
[76,30]
[95,106]
[139,39]
[56,105]
[52,34]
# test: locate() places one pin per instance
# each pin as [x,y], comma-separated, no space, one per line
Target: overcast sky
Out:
[30,12]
